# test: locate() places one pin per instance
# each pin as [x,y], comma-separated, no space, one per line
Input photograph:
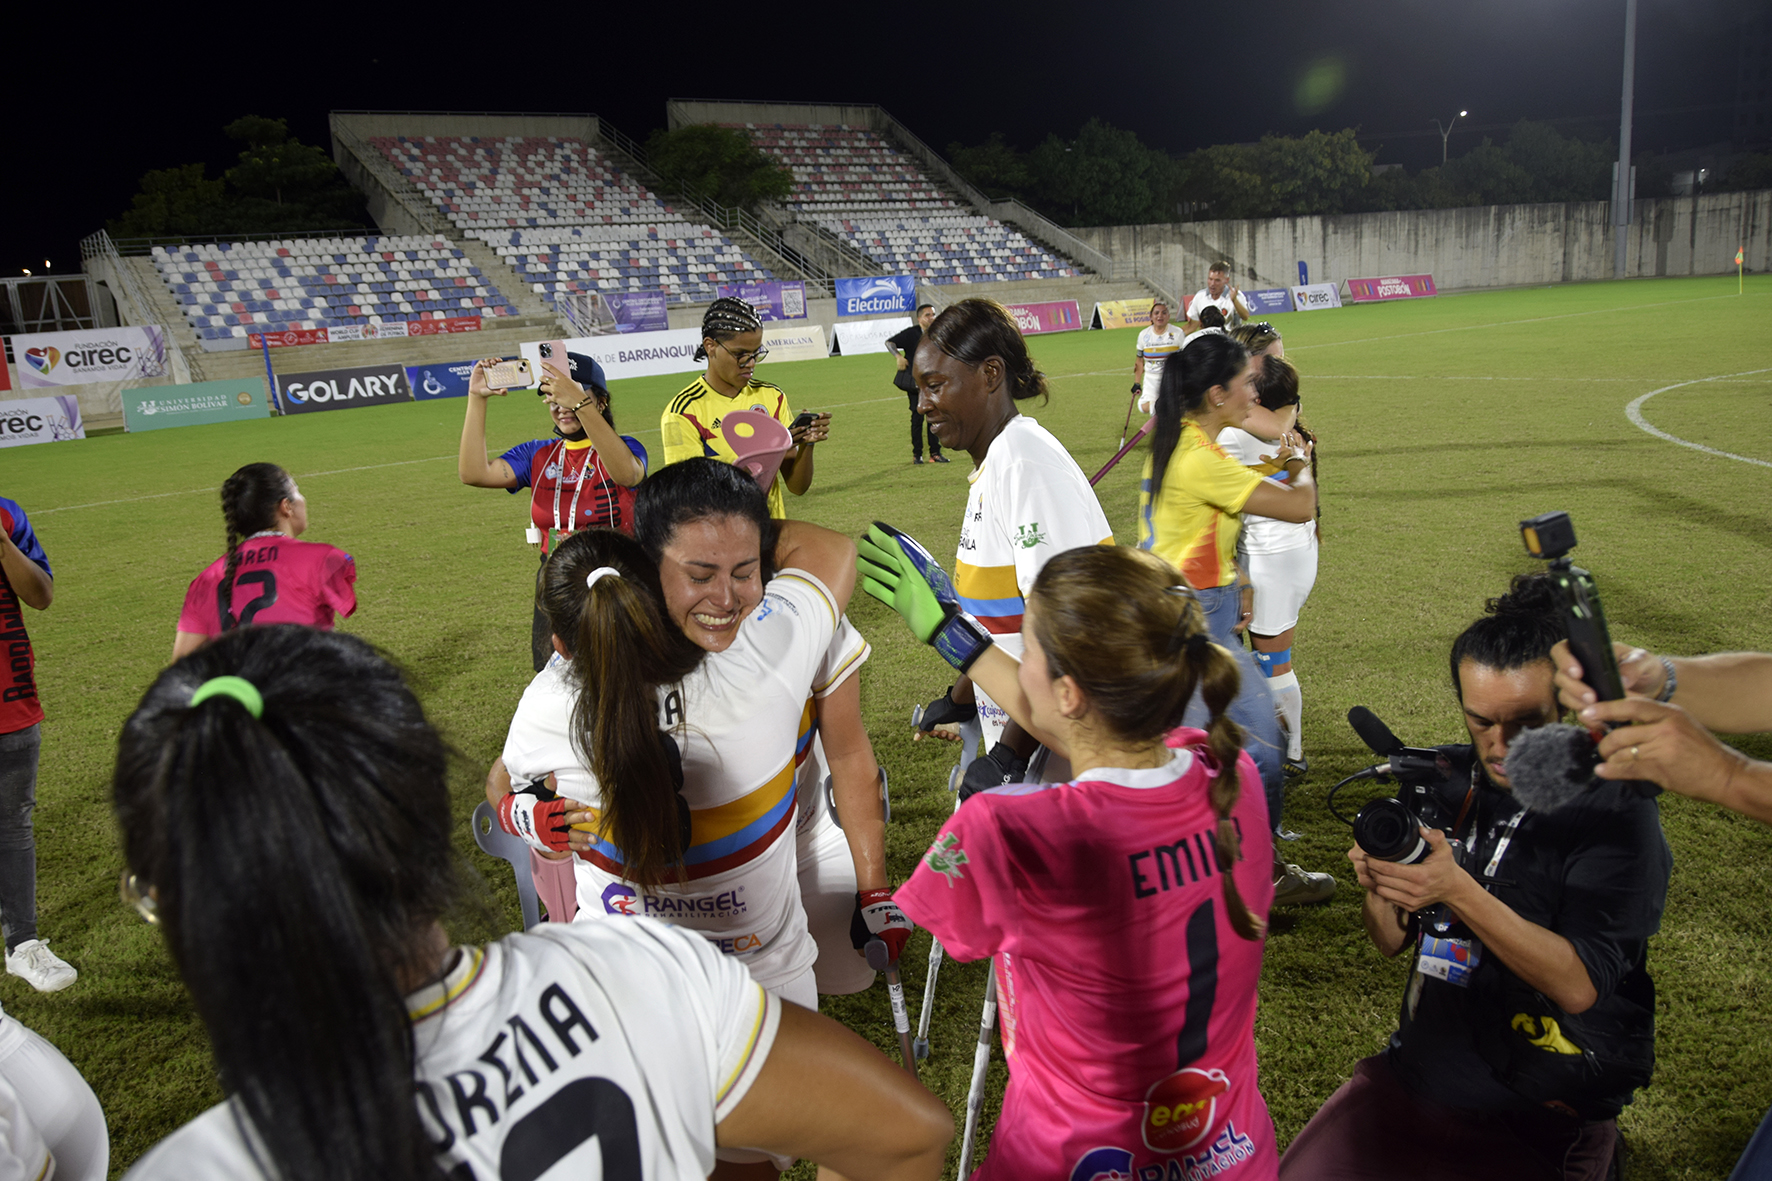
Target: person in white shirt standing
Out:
[1218,293]
[1156,344]
[286,820]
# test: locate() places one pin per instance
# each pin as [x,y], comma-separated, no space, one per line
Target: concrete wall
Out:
[416,123]
[1484,246]
[683,112]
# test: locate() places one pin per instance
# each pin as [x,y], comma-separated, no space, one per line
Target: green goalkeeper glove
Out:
[901,574]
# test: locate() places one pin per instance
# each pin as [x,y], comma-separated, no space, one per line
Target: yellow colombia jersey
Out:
[1194,521]
[691,426]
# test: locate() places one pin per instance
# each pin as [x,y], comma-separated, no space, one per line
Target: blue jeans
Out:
[1253,708]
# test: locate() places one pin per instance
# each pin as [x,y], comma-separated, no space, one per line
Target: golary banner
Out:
[1122,313]
[342,389]
[40,420]
[1392,287]
[1052,316]
[47,359]
[162,406]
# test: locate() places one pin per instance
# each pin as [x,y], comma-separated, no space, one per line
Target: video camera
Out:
[1434,790]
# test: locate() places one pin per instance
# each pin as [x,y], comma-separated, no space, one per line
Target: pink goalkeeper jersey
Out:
[1127,1000]
[278,580]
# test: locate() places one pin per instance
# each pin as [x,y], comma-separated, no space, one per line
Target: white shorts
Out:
[803,992]
[58,1101]
[827,892]
[1283,582]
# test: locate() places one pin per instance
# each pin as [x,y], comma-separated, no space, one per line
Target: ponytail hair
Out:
[1127,628]
[299,860]
[974,330]
[1208,360]
[1516,629]
[250,498]
[623,646]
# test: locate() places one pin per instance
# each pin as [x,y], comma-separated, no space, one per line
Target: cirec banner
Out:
[447,379]
[1122,313]
[880,295]
[40,420]
[639,311]
[636,354]
[1054,316]
[1313,296]
[1269,301]
[1390,287]
[795,342]
[159,407]
[47,359]
[866,336]
[290,337]
[343,389]
[774,300]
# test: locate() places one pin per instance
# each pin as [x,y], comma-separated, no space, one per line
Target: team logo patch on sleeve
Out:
[1028,536]
[946,857]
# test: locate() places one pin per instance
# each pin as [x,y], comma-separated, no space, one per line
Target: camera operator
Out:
[1528,1020]
[1666,719]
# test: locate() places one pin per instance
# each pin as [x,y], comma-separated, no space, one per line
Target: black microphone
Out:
[1373,732]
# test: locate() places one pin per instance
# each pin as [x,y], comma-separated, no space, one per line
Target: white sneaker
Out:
[1299,887]
[43,969]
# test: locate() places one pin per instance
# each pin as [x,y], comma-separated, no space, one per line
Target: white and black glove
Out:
[537,816]
[878,917]
[999,766]
[944,710]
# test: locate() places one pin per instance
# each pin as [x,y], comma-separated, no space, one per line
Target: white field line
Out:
[1634,412]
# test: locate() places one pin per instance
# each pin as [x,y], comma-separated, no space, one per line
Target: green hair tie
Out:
[239,688]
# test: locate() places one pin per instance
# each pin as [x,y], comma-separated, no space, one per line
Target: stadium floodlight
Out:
[1446,132]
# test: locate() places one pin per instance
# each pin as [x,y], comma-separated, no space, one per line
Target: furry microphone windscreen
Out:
[1551,766]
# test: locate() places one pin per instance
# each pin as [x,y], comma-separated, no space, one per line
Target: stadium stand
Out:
[855,184]
[566,217]
[232,289]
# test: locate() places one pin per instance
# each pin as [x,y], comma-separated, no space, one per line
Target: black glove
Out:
[1001,765]
[944,710]
[1137,387]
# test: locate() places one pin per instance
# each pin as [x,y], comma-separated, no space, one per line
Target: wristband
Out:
[1673,681]
[961,641]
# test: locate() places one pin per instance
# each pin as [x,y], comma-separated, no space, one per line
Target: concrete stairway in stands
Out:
[505,278]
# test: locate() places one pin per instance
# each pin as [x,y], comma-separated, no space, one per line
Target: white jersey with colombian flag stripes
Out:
[603,1049]
[735,719]
[1155,348]
[1029,501]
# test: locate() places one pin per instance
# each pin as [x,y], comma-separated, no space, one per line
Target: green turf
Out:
[1444,422]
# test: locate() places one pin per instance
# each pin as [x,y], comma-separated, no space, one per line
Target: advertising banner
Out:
[881,295]
[159,407]
[290,337]
[795,342]
[1313,296]
[639,311]
[448,379]
[1268,302]
[1055,316]
[1391,287]
[637,354]
[866,336]
[774,300]
[342,389]
[1122,313]
[40,420]
[47,359]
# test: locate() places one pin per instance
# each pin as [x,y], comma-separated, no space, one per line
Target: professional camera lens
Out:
[1387,829]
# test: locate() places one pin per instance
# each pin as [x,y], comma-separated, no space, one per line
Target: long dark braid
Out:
[249,505]
[725,319]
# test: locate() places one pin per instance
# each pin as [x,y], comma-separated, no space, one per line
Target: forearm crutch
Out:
[981,1061]
[1130,403]
[880,960]
[971,735]
[1121,453]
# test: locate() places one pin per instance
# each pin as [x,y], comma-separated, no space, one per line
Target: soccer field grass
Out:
[1443,422]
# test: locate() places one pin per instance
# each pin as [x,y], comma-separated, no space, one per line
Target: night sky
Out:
[96,104]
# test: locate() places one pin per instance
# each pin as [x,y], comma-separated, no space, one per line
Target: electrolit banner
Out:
[447,379]
[1312,296]
[1393,287]
[1268,302]
[774,300]
[1055,316]
[40,420]
[795,342]
[158,407]
[47,359]
[1122,313]
[342,389]
[639,311]
[883,295]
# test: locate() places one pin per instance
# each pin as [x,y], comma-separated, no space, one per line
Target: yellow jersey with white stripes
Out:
[690,426]
[618,1043]
[736,721]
